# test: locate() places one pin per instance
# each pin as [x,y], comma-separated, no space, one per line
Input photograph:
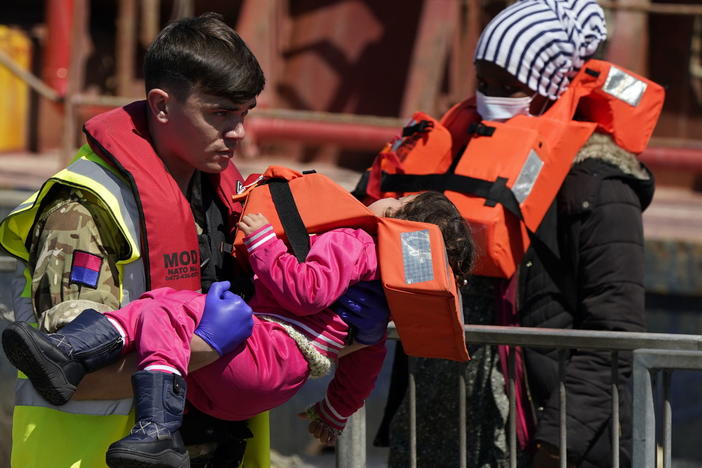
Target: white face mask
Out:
[499,109]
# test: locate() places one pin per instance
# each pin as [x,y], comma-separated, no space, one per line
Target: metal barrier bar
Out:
[615,409]
[512,386]
[462,422]
[644,419]
[569,339]
[351,446]
[643,422]
[667,421]
[413,418]
[651,350]
[563,449]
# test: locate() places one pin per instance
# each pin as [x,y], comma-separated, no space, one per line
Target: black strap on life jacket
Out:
[492,191]
[290,218]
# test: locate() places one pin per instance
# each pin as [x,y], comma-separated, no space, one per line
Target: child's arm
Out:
[336,259]
[353,381]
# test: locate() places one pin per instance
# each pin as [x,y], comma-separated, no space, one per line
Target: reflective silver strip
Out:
[7,263]
[22,207]
[134,281]
[624,86]
[25,395]
[120,189]
[22,306]
[527,176]
[416,256]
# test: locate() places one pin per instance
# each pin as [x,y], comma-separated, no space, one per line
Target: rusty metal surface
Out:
[437,26]
[263,25]
[628,46]
[125,51]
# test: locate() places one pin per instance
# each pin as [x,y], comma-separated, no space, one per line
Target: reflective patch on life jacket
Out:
[624,86]
[416,256]
[527,176]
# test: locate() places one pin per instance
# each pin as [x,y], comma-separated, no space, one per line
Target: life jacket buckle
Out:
[481,129]
[497,187]
[422,126]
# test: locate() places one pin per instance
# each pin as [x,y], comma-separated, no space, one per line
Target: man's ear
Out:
[157,100]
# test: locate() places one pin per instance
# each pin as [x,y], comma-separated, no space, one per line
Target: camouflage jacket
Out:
[71,221]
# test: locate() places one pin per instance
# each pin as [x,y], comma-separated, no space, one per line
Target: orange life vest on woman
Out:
[503,177]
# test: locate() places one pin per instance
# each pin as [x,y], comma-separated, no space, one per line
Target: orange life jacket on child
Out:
[419,285]
[503,177]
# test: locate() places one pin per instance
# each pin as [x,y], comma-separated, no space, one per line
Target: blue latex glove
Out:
[364,308]
[227,320]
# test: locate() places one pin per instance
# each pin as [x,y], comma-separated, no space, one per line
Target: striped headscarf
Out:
[543,42]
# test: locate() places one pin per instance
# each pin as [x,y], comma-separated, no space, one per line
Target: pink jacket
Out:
[300,294]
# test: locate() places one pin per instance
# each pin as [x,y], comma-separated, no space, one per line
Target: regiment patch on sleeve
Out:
[85,268]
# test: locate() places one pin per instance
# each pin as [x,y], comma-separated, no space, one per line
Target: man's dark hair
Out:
[203,53]
[436,208]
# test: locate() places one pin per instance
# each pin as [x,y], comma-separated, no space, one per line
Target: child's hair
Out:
[435,208]
[204,53]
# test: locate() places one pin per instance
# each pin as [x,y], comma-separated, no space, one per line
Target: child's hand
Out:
[251,222]
[319,429]
[322,432]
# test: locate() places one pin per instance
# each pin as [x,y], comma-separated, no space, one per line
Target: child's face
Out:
[388,206]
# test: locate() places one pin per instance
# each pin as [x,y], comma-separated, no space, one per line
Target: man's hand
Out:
[364,308]
[227,320]
[252,222]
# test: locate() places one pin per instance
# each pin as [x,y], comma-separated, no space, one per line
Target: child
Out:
[295,335]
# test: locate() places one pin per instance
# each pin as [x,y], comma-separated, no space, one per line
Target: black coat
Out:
[587,274]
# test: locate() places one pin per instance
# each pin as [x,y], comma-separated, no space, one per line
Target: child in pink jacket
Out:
[295,336]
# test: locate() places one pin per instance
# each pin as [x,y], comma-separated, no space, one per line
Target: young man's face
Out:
[204,130]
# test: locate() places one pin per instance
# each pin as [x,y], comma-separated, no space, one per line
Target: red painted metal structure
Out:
[443,36]
[57,51]
[373,137]
[345,135]
[675,158]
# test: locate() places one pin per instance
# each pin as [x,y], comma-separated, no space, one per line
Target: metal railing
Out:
[652,351]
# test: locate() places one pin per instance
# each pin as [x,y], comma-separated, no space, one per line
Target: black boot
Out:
[154,441]
[56,362]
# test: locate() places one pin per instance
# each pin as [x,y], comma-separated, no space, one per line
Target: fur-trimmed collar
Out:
[602,146]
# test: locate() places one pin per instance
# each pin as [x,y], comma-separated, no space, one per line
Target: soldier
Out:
[145,204]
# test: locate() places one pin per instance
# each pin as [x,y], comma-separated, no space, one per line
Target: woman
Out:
[525,60]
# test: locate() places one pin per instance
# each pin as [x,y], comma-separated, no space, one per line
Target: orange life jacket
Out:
[503,177]
[418,282]
[169,241]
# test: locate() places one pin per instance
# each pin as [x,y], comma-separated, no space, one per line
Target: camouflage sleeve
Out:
[73,255]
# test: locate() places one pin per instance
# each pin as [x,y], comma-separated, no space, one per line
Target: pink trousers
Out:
[264,372]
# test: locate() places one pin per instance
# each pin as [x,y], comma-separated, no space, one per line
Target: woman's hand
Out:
[252,222]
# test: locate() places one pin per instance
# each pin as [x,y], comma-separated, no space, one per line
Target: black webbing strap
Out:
[492,191]
[290,218]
